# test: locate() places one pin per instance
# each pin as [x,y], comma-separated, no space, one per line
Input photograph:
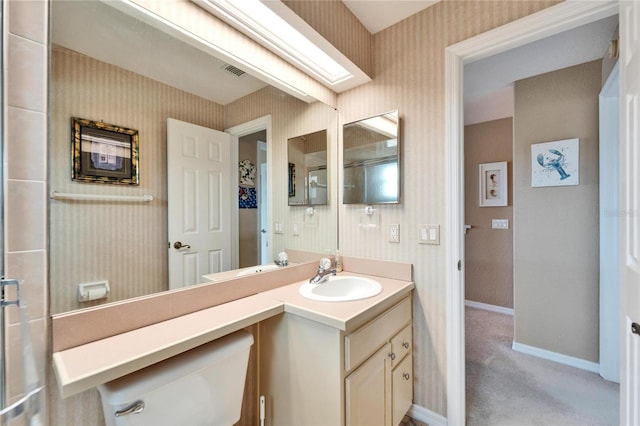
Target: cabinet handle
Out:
[392,355]
[405,345]
[406,376]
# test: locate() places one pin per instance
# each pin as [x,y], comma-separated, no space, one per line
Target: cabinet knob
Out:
[405,345]
[392,355]
[406,376]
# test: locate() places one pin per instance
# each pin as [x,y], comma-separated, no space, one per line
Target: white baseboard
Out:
[487,307]
[424,415]
[582,364]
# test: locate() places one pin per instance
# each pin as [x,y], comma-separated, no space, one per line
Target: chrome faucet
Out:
[324,270]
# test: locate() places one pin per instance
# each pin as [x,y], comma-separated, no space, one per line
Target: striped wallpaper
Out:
[409,76]
[125,243]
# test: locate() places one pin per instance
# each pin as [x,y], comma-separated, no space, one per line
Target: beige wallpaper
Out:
[488,252]
[335,22]
[409,76]
[556,244]
[125,243]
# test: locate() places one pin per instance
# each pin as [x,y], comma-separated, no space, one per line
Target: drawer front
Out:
[402,389]
[401,345]
[367,339]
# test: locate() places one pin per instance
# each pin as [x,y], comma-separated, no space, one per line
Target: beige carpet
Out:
[505,387]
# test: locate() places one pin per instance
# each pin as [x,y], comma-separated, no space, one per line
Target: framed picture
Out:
[555,163]
[493,184]
[103,153]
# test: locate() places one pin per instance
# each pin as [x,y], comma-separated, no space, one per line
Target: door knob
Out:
[178,245]
[635,328]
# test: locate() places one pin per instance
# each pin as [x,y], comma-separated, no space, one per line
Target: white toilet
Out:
[203,386]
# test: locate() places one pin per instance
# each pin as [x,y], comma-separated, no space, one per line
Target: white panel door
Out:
[630,211]
[199,202]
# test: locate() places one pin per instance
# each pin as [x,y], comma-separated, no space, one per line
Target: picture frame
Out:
[493,188]
[104,153]
[555,163]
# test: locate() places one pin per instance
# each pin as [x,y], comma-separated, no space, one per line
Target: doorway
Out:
[256,248]
[550,21]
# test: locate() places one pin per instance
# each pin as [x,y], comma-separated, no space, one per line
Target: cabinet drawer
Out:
[402,389]
[401,345]
[367,339]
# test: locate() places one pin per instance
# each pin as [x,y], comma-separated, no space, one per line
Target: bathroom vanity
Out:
[316,372]
[338,363]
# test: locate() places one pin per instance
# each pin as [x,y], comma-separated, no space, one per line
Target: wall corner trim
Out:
[427,416]
[582,364]
[488,307]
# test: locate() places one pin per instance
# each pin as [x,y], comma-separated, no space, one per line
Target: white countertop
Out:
[83,367]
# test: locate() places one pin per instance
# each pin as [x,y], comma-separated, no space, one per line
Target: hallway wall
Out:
[556,240]
[488,252]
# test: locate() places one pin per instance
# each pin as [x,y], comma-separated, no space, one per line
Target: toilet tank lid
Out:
[138,383]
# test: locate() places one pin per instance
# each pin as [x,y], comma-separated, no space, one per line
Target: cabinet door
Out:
[402,388]
[368,391]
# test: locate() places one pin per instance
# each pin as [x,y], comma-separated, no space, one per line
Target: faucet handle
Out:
[325,263]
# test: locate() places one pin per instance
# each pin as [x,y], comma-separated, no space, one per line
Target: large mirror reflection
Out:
[108,67]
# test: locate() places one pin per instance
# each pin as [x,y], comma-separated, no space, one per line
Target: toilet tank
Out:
[203,386]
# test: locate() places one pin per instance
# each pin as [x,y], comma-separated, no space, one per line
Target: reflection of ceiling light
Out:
[266,27]
[386,124]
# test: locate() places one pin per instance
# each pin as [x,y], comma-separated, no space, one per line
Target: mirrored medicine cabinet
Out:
[308,178]
[371,160]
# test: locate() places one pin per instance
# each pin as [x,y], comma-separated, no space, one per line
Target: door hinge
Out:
[459,265]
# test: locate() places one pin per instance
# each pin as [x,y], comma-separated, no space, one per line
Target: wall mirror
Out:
[108,66]
[308,174]
[371,160]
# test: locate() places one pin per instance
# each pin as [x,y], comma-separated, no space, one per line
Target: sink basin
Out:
[341,289]
[256,269]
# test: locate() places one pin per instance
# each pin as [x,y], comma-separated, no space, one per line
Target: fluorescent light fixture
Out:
[265,26]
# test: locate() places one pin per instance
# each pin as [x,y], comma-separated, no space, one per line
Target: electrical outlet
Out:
[394,233]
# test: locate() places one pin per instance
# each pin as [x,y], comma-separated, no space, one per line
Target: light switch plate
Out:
[429,234]
[278,228]
[500,223]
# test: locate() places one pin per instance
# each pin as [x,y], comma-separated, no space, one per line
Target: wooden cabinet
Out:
[385,400]
[315,374]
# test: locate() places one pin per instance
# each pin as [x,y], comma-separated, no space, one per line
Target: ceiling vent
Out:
[233,70]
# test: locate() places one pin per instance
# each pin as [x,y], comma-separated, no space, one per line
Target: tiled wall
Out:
[25,40]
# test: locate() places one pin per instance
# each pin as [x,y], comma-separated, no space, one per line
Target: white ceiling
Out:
[98,30]
[104,33]
[376,15]
[580,45]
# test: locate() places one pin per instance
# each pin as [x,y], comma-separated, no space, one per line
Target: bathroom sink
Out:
[256,269]
[341,289]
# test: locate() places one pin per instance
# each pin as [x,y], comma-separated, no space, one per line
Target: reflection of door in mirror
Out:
[199,182]
[249,213]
